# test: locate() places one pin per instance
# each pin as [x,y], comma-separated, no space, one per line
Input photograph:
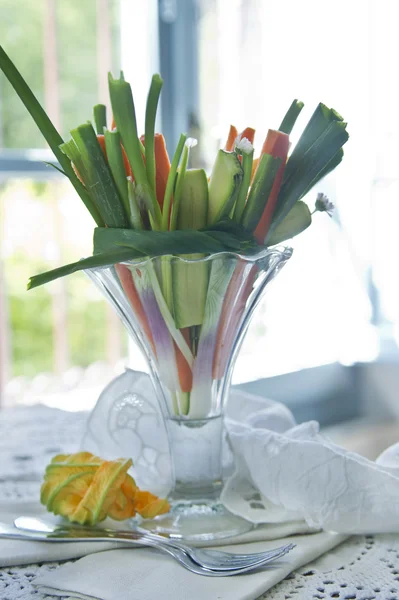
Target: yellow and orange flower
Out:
[86,489]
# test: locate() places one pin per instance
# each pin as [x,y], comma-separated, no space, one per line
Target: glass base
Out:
[196,522]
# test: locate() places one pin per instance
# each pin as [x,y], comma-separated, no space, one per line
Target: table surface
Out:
[362,568]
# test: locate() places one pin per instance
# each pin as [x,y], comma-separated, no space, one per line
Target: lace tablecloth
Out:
[363,568]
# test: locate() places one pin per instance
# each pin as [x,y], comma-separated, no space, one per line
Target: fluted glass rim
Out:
[284,252]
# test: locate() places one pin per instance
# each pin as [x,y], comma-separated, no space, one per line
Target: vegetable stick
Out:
[248,133]
[183,368]
[162,166]
[128,169]
[129,288]
[233,133]
[276,144]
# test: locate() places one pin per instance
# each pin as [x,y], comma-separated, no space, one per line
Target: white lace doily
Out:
[363,568]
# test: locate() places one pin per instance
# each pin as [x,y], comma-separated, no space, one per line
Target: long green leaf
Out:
[150,116]
[309,168]
[317,125]
[181,241]
[47,129]
[112,246]
[99,260]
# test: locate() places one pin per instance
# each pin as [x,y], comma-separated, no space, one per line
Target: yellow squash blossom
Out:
[86,489]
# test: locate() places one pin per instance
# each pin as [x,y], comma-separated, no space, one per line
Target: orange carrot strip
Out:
[248,133]
[183,368]
[233,133]
[129,288]
[162,166]
[113,125]
[276,144]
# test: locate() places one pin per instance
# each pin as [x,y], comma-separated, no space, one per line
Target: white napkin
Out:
[305,475]
[283,471]
[111,571]
[145,574]
[15,552]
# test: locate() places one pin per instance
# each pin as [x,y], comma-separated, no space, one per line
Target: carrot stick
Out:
[183,368]
[113,125]
[276,144]
[233,133]
[162,166]
[248,133]
[129,288]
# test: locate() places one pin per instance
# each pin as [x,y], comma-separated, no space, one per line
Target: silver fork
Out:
[209,559]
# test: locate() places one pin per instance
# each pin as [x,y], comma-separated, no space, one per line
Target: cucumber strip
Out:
[224,185]
[190,279]
[298,219]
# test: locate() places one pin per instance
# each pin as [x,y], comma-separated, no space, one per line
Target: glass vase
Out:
[189,316]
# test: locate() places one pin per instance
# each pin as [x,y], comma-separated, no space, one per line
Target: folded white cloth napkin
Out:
[110,571]
[283,471]
[145,574]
